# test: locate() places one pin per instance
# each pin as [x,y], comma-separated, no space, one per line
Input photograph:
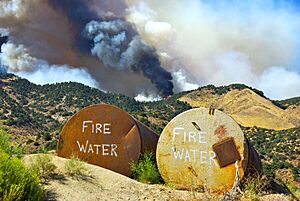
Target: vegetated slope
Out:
[279,152]
[35,114]
[249,107]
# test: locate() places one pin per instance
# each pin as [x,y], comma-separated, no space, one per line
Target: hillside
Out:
[249,107]
[34,116]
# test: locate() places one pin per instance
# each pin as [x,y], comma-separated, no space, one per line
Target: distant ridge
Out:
[248,106]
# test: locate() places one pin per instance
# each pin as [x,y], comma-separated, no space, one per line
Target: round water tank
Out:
[106,136]
[199,148]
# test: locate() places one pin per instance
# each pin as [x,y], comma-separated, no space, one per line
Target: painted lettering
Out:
[96,127]
[177,154]
[89,148]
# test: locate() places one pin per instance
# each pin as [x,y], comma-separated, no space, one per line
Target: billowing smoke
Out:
[3,39]
[16,59]
[277,81]
[116,43]
[225,42]
[12,8]
[143,97]
[49,74]
[3,36]
[117,48]
[136,47]
[182,82]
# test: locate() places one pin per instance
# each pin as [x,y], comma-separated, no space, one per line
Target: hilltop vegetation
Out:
[289,102]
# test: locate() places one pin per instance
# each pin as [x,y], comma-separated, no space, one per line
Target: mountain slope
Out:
[246,106]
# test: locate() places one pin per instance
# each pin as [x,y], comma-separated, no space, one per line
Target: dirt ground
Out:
[102,184]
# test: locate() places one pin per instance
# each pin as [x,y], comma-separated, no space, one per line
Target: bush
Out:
[4,141]
[42,164]
[47,137]
[145,169]
[7,147]
[75,167]
[52,145]
[16,181]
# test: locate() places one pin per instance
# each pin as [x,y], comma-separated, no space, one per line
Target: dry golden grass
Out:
[247,108]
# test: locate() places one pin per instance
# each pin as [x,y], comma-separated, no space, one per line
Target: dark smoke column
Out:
[115,42]
[118,46]
[3,39]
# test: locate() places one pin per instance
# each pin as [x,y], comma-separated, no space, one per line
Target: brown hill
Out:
[247,107]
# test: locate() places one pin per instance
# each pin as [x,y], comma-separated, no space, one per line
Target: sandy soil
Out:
[102,184]
[105,185]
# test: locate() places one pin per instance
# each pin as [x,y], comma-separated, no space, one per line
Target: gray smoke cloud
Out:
[17,59]
[12,8]
[3,39]
[225,42]
[212,42]
[53,33]
[118,46]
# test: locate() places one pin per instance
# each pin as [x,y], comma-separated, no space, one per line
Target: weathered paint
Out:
[199,168]
[113,138]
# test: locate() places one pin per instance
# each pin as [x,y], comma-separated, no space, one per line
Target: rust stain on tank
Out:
[221,131]
[106,136]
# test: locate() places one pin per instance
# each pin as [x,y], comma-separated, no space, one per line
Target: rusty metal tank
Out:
[199,148]
[106,136]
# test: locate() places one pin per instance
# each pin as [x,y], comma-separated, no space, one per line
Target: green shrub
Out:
[145,169]
[52,145]
[4,141]
[16,181]
[7,147]
[42,164]
[75,167]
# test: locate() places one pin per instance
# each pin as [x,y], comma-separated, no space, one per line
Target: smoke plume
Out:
[145,47]
[12,8]
[16,59]
[225,42]
[117,46]
[143,97]
[3,37]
